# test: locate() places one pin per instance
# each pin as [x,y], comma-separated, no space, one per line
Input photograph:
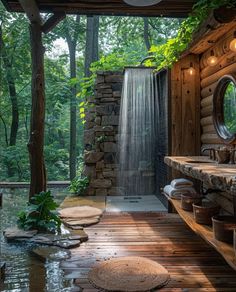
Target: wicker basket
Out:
[223,228]
[188,199]
[204,211]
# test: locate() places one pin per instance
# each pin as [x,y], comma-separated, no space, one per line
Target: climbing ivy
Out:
[167,54]
[111,62]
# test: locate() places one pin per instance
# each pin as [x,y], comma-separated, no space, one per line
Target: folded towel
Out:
[180,183]
[176,193]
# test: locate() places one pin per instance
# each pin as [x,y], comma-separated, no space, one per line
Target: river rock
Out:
[51,253]
[67,243]
[16,233]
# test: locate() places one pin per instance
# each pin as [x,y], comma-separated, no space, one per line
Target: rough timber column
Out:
[36,141]
[38,182]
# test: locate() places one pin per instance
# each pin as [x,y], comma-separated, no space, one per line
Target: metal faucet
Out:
[212,152]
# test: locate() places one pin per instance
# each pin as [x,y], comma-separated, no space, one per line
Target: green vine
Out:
[167,54]
[164,55]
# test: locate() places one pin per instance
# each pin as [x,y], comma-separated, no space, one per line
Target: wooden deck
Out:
[192,263]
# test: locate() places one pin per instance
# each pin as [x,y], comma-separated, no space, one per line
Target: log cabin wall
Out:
[209,78]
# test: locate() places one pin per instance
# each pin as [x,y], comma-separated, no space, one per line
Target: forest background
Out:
[72,48]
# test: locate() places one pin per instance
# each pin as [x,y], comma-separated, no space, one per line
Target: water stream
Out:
[25,272]
[137,133]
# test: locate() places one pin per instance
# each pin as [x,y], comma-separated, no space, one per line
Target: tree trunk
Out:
[13,97]
[73,109]
[12,92]
[91,50]
[36,142]
[146,33]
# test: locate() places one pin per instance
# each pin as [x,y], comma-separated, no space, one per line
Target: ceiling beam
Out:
[53,21]
[168,8]
[31,9]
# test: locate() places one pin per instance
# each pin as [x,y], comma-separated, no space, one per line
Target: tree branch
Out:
[53,21]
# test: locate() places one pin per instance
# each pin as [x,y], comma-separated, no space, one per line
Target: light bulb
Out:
[232,45]
[212,60]
[191,70]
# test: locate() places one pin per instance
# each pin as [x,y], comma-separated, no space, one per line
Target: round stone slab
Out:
[128,274]
[80,212]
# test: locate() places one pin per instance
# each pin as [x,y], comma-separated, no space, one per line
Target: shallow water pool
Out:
[25,272]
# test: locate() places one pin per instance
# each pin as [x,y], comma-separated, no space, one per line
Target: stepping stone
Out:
[92,201]
[14,233]
[80,212]
[43,239]
[67,243]
[79,235]
[51,253]
[74,224]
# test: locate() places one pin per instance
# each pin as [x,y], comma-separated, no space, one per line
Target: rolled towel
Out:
[176,193]
[180,183]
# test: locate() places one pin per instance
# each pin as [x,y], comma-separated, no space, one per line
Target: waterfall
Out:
[136,138]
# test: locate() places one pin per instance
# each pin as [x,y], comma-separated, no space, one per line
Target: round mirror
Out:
[224,108]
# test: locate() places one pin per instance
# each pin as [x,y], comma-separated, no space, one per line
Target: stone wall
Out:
[101,133]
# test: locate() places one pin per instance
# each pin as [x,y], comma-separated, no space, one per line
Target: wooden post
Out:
[36,141]
[38,182]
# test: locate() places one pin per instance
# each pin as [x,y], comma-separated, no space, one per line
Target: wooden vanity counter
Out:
[217,176]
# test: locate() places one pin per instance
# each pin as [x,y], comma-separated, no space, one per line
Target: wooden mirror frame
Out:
[218,109]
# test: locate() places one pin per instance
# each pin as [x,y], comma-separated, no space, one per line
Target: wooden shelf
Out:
[206,232]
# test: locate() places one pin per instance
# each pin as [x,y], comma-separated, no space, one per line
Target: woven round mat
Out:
[80,212]
[128,274]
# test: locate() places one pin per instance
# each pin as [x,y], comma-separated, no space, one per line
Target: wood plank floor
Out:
[193,264]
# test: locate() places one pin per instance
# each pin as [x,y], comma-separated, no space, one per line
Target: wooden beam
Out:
[53,21]
[168,8]
[31,9]
[36,141]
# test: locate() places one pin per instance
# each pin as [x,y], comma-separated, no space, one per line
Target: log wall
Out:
[209,78]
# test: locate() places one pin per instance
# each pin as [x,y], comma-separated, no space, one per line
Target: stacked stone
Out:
[101,132]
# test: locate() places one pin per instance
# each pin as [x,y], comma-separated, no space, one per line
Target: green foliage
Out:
[166,54]
[79,185]
[101,139]
[110,62]
[40,214]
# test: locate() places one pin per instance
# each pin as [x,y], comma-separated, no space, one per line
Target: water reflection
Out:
[24,272]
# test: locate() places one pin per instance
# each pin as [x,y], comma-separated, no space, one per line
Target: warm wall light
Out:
[191,70]
[232,44]
[212,60]
[142,2]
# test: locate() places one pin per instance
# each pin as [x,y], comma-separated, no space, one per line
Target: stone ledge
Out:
[217,176]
